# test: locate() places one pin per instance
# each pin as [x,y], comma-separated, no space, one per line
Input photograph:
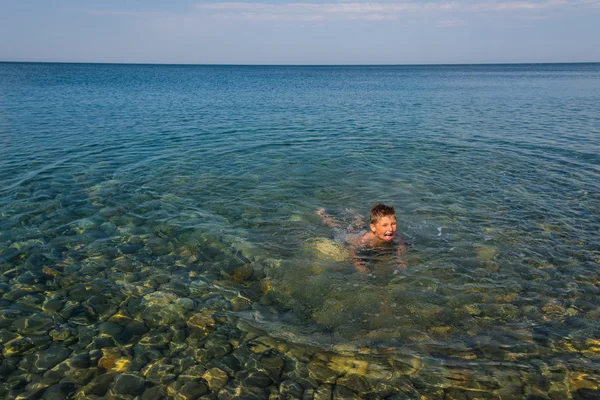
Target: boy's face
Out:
[385,227]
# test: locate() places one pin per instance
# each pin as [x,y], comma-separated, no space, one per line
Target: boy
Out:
[382,233]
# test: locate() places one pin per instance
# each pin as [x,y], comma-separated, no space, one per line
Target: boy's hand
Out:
[360,267]
[401,249]
[402,265]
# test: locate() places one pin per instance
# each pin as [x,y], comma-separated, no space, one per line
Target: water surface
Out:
[146,195]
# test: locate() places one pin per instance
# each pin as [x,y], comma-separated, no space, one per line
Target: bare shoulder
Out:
[365,240]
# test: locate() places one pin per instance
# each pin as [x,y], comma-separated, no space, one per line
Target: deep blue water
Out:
[494,172]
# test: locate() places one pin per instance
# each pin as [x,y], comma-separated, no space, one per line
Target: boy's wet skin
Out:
[383,231]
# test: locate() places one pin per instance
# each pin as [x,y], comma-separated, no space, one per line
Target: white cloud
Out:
[446,10]
[372,10]
[451,23]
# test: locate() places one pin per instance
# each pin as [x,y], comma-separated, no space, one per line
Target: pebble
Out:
[58,373]
[158,246]
[6,336]
[192,390]
[8,366]
[79,361]
[217,346]
[159,373]
[289,388]
[273,366]
[216,378]
[136,328]
[35,324]
[234,390]
[156,339]
[47,359]
[99,385]
[355,383]
[129,384]
[323,392]
[343,393]
[52,306]
[154,393]
[59,391]
[321,373]
[258,378]
[230,364]
[17,346]
[110,329]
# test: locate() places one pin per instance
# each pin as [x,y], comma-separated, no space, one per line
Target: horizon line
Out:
[300,65]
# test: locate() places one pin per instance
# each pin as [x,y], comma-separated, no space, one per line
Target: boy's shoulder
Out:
[365,240]
[369,240]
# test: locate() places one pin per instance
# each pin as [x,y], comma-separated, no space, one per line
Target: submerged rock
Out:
[98,386]
[159,246]
[324,392]
[129,384]
[343,393]
[321,373]
[258,379]
[486,252]
[47,359]
[329,249]
[17,346]
[348,365]
[59,391]
[35,324]
[291,389]
[201,323]
[155,393]
[192,390]
[216,378]
[159,374]
[161,309]
[355,383]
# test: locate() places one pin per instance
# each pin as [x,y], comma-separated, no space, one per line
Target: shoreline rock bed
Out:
[102,344]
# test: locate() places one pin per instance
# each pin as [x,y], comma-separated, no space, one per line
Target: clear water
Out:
[166,177]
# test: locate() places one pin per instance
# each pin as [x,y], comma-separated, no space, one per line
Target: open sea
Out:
[159,235]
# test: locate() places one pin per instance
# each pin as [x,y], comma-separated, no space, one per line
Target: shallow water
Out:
[153,215]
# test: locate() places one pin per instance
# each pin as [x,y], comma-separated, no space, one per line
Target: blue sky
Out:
[300,31]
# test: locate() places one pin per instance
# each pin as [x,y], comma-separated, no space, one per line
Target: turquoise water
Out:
[135,198]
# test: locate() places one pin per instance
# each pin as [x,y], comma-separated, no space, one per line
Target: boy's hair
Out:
[381,210]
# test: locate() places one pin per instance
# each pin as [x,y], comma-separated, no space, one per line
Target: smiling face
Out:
[384,228]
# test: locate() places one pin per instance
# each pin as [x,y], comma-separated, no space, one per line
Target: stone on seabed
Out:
[323,392]
[486,252]
[35,324]
[355,383]
[343,393]
[348,365]
[291,389]
[321,373]
[48,359]
[216,378]
[329,249]
[161,309]
[129,384]
[17,346]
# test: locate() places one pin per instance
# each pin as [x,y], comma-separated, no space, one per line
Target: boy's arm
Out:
[358,264]
[400,251]
[326,219]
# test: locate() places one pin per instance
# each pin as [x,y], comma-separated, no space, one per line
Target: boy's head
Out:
[383,221]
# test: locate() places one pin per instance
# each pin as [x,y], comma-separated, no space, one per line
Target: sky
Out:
[300,31]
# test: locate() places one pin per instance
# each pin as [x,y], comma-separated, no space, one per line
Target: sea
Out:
[160,234]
